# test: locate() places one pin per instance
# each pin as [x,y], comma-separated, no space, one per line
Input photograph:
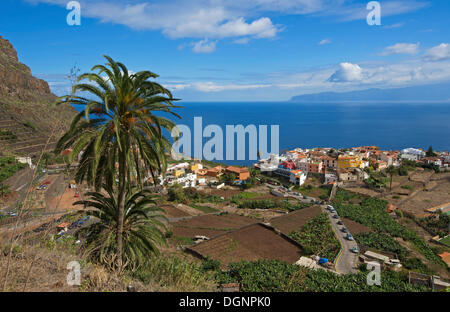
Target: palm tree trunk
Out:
[121,204]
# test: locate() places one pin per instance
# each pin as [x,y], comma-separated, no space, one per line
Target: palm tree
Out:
[118,131]
[391,170]
[142,226]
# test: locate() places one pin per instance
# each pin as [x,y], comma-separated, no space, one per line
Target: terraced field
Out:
[295,220]
[209,225]
[20,138]
[249,243]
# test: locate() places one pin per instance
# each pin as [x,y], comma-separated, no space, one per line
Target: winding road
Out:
[346,260]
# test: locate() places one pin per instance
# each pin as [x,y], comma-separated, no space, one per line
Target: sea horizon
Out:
[391,126]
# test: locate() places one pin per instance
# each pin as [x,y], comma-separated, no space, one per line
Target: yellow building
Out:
[196,167]
[347,161]
[178,173]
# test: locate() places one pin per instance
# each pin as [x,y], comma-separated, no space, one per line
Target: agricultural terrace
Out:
[371,212]
[208,225]
[277,276]
[249,243]
[317,237]
[295,220]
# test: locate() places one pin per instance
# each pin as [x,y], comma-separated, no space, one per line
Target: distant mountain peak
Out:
[425,93]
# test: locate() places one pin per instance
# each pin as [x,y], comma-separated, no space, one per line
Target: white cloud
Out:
[244,40]
[438,53]
[402,48]
[324,41]
[347,72]
[396,25]
[218,19]
[204,46]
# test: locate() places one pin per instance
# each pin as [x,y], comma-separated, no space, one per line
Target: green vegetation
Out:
[277,276]
[377,180]
[7,135]
[317,237]
[446,241]
[244,203]
[407,187]
[372,213]
[176,274]
[188,195]
[8,167]
[142,231]
[120,124]
[436,225]
[382,242]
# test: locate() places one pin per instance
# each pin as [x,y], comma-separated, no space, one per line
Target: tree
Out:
[118,131]
[46,157]
[176,193]
[430,152]
[142,229]
[391,170]
[228,178]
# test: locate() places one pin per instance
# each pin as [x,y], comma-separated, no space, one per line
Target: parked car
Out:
[340,222]
[330,207]
[349,237]
[344,230]
[355,249]
[336,216]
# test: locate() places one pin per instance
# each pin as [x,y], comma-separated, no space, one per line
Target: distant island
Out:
[425,93]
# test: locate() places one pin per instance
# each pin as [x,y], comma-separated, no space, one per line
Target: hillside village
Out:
[306,220]
[271,211]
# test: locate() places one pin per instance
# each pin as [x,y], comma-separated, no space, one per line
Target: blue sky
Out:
[243,50]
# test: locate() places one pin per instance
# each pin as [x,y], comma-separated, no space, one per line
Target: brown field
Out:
[295,220]
[250,243]
[180,231]
[355,227]
[216,222]
[173,212]
[423,200]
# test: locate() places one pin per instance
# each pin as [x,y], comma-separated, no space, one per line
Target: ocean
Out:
[388,126]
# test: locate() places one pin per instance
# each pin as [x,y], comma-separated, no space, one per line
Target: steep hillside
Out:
[27,112]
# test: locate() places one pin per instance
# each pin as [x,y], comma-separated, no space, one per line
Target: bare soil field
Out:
[249,243]
[423,200]
[263,215]
[173,212]
[181,231]
[421,176]
[65,201]
[363,191]
[355,227]
[295,220]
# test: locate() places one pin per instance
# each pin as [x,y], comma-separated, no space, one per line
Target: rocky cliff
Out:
[27,112]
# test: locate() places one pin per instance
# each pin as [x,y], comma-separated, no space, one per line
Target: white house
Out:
[413,154]
[25,160]
[297,177]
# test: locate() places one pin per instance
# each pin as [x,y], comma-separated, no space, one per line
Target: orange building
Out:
[215,172]
[241,173]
